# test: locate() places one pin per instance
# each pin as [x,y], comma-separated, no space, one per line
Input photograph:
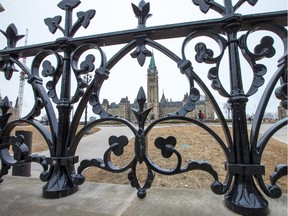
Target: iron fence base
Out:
[59,185]
[245,199]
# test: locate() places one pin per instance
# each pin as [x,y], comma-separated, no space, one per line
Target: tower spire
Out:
[152,61]
[153,89]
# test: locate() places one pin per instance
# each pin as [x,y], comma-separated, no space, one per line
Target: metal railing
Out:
[243,151]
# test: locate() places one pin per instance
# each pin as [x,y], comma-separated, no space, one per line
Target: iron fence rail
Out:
[154,33]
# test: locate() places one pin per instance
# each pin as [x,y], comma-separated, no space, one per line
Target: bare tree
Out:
[269,116]
[227,108]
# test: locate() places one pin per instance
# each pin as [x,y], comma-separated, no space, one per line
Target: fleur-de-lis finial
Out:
[12,35]
[142,12]
[141,114]
[6,64]
[141,52]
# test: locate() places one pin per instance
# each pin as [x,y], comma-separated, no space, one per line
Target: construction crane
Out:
[21,84]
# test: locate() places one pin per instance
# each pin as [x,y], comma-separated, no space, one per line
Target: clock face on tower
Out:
[152,70]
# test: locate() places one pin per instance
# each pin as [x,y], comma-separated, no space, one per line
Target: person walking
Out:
[200,116]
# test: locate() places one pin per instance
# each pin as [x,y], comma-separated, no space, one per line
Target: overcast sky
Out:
[116,15]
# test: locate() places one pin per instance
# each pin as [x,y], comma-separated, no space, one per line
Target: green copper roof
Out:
[152,61]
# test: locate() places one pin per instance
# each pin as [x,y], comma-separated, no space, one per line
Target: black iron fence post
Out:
[244,197]
[60,182]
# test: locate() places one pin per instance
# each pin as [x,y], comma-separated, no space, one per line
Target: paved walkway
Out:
[20,196]
[280,135]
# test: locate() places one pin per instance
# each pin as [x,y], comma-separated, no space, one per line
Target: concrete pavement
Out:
[280,135]
[21,196]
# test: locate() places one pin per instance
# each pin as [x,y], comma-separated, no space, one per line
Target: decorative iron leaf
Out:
[258,81]
[204,6]
[19,148]
[38,106]
[280,171]
[161,143]
[97,108]
[136,10]
[48,69]
[132,176]
[86,17]
[133,179]
[216,84]
[68,4]
[265,47]
[88,65]
[202,52]
[146,10]
[259,70]
[121,142]
[53,23]
[40,159]
[79,178]
[50,85]
[194,94]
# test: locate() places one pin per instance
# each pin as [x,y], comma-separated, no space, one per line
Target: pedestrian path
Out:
[21,196]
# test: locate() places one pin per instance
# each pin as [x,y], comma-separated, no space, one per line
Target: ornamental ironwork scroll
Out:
[243,152]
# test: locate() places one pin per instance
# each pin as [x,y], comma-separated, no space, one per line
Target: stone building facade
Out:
[161,107]
[282,113]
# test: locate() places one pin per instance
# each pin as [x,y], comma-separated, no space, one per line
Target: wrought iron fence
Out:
[243,151]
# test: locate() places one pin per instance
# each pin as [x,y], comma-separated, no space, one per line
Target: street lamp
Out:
[88,78]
